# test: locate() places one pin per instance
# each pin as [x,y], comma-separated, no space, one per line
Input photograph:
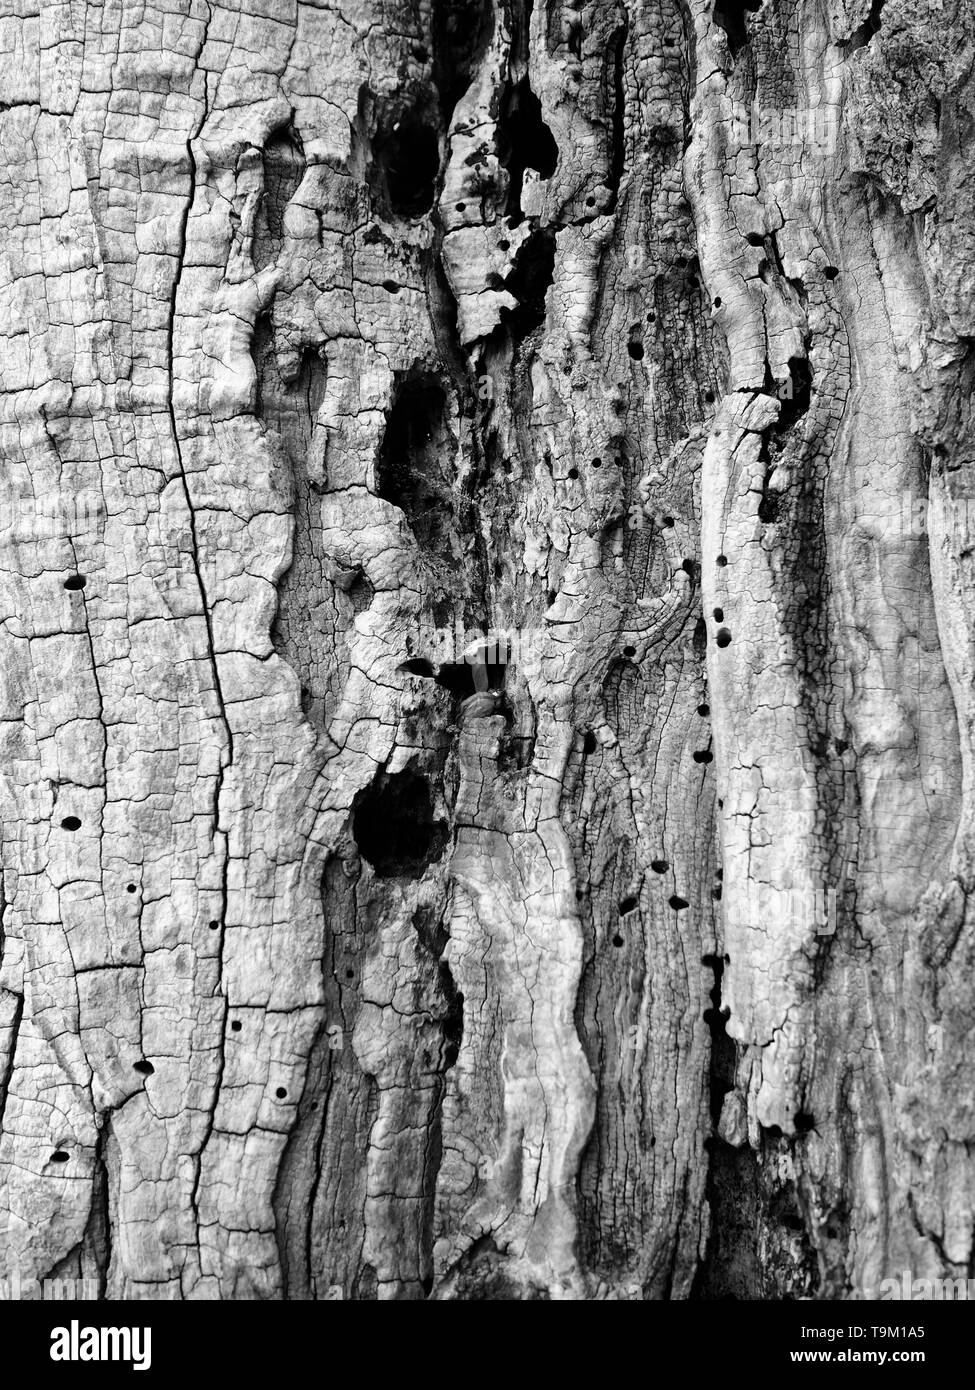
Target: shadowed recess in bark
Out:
[393,825]
[405,164]
[484,671]
[283,160]
[290,409]
[529,281]
[729,15]
[413,470]
[795,396]
[461,30]
[433,938]
[731,1266]
[524,141]
[865,31]
[794,393]
[618,159]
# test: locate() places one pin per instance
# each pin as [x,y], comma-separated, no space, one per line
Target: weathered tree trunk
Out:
[487,649]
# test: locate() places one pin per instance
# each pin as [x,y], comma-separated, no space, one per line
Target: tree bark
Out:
[488,648]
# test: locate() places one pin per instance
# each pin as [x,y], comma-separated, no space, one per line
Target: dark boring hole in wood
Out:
[688,566]
[460,31]
[704,710]
[629,904]
[361,594]
[406,162]
[589,744]
[143,1067]
[71,823]
[236,1025]
[659,866]
[722,560]
[635,349]
[617,940]
[795,394]
[475,677]
[418,666]
[394,827]
[529,280]
[75,581]
[719,615]
[452,1023]
[704,755]
[524,141]
[678,903]
[214,926]
[769,507]
[281,1093]
[413,468]
[865,32]
[831,272]
[130,888]
[723,638]
[59,1156]
[629,651]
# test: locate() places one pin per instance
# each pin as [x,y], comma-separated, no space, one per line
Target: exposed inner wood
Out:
[487,648]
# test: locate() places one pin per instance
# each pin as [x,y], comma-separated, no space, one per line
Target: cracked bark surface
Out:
[627,954]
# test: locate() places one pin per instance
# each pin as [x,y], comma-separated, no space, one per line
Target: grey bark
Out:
[487,648]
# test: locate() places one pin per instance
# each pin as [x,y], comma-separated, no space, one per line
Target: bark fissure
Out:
[488,704]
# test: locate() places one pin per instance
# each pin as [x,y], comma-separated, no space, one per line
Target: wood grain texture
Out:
[487,648]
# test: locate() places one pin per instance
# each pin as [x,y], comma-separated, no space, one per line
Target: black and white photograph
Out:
[487,669]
